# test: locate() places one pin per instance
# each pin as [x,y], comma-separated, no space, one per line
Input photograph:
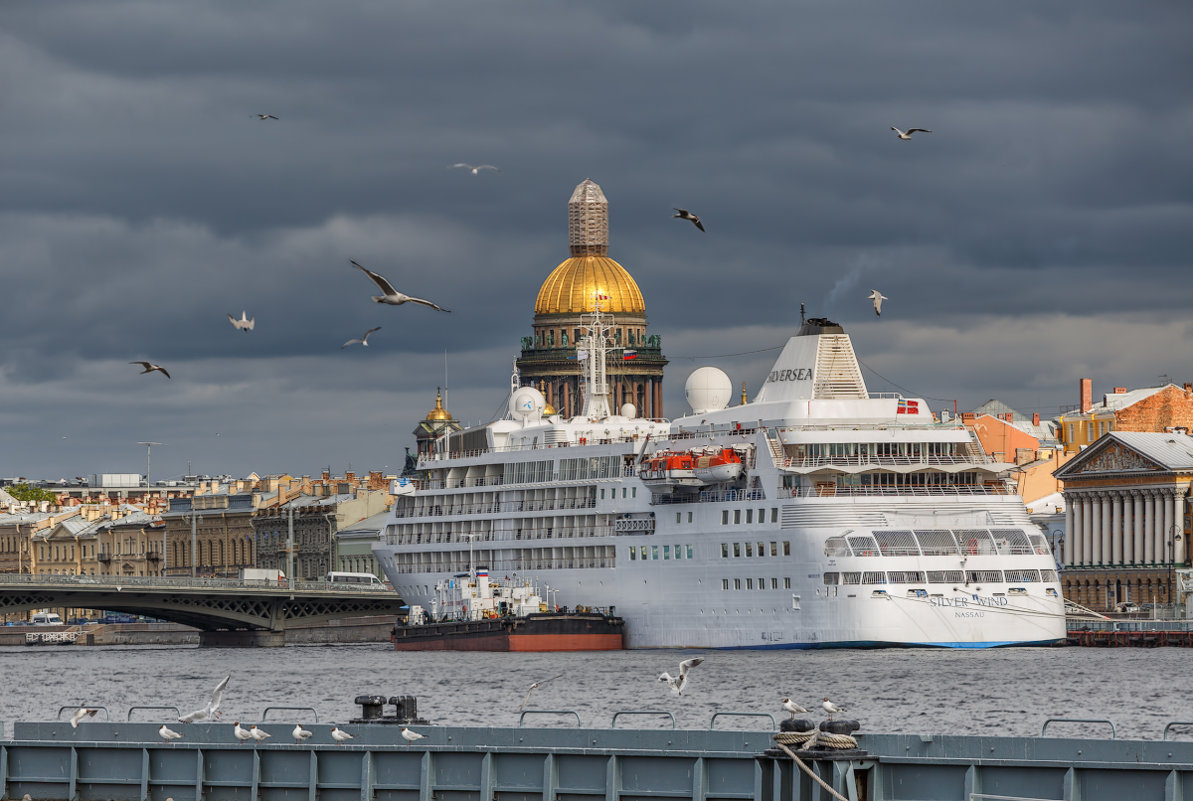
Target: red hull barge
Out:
[547,631]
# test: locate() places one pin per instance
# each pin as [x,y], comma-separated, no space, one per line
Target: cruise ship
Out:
[816,515]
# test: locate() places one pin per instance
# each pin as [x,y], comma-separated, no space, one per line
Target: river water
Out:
[1010,691]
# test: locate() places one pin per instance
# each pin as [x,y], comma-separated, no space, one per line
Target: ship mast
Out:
[594,348]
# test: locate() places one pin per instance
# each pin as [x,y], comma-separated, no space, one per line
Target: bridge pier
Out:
[242,639]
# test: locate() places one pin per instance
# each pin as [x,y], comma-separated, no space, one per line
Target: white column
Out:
[1178,519]
[1128,528]
[1137,525]
[1158,532]
[1166,527]
[1149,528]
[1068,551]
[1116,529]
[1087,542]
[1106,541]
[1095,554]
[1073,535]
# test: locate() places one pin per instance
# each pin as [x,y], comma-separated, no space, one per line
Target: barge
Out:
[474,612]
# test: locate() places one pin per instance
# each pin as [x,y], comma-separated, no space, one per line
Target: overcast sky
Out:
[1041,233]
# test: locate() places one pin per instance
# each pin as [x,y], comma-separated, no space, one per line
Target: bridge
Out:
[227,612]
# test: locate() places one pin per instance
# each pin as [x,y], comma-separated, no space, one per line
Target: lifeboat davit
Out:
[716,465]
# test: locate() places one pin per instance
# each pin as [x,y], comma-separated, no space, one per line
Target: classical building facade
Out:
[316,520]
[1127,519]
[550,359]
[437,421]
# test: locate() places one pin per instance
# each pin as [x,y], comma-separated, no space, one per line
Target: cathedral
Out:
[549,359]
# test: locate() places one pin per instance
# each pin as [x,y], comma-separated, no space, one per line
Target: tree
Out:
[24,492]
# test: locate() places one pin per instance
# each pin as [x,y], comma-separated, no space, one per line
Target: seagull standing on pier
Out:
[241,733]
[168,734]
[410,736]
[212,708]
[677,683]
[391,296]
[793,708]
[339,735]
[300,734]
[83,712]
[258,734]
[832,709]
[534,687]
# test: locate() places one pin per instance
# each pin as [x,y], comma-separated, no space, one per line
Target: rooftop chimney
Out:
[1035,418]
[1087,395]
[1120,390]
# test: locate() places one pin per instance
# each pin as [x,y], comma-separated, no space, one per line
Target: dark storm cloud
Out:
[1039,234]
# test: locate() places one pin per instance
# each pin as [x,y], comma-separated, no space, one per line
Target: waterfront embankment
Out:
[366,629]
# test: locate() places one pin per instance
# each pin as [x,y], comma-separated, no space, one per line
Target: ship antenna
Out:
[801,314]
[596,387]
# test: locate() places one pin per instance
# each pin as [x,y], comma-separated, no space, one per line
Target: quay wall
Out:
[365,629]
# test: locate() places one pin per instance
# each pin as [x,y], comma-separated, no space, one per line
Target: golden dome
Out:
[438,413]
[548,409]
[572,287]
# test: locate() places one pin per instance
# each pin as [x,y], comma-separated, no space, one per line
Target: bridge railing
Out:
[184,582]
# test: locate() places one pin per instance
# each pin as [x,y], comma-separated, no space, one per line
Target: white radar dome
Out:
[708,389]
[629,411]
[527,404]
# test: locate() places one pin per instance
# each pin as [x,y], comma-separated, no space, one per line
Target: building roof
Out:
[369,528]
[1172,452]
[1115,401]
[997,408]
[574,285]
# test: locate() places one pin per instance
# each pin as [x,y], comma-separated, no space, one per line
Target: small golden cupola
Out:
[438,413]
[548,410]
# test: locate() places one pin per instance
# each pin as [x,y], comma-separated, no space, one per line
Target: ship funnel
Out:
[818,363]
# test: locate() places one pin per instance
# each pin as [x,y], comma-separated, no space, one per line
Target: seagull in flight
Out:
[168,734]
[534,687]
[410,736]
[245,323]
[364,340]
[341,736]
[299,734]
[391,296]
[684,214]
[212,708]
[677,683]
[832,709]
[83,712]
[476,170]
[878,298]
[241,732]
[793,707]
[150,367]
[265,116]
[909,132]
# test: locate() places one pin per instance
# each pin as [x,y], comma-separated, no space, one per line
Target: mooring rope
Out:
[823,738]
[804,767]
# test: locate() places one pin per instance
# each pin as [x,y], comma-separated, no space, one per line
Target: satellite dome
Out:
[527,404]
[708,389]
[628,410]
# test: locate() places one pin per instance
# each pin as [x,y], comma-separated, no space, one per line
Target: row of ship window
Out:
[940,577]
[747,514]
[748,584]
[735,549]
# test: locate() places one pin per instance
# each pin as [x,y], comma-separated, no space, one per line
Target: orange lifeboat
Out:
[669,469]
[716,465]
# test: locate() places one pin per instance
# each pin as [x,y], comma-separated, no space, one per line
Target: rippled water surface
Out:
[1003,692]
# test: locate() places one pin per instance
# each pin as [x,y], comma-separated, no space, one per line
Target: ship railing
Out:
[494,507]
[711,496]
[929,460]
[852,490]
[467,453]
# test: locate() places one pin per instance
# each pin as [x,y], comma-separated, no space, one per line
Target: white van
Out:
[46,619]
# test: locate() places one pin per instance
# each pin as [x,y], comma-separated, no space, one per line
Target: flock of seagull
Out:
[211,711]
[392,297]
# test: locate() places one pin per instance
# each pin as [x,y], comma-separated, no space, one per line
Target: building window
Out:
[633,553]
[724,519]
[736,549]
[737,584]
[666,551]
[749,515]
[724,550]
[749,584]
[689,551]
[724,584]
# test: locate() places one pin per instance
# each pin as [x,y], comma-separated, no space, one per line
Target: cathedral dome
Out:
[572,287]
